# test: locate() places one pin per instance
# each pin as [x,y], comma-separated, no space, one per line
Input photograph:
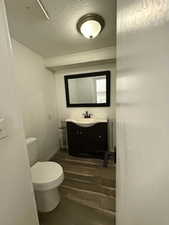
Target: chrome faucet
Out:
[87,115]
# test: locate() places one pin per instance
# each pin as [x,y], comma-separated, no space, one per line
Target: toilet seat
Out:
[46,175]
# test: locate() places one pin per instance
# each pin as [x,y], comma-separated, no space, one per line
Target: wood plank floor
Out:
[88,186]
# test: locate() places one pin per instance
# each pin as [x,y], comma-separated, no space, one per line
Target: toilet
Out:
[46,178]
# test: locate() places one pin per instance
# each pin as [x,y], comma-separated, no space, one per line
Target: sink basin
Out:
[86,122]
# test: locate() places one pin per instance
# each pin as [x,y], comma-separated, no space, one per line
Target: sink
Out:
[86,122]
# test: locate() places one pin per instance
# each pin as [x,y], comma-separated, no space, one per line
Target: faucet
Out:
[87,114]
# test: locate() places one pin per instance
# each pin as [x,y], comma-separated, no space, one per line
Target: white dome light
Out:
[90,25]
[90,29]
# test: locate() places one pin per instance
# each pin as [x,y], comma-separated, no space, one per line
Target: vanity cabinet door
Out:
[97,138]
[76,139]
[87,141]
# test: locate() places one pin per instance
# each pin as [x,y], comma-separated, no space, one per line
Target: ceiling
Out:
[59,36]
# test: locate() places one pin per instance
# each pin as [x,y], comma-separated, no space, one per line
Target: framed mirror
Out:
[88,89]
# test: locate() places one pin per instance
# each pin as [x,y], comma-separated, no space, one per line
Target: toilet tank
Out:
[32,150]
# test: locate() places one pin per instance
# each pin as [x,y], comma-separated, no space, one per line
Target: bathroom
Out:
[58,163]
[43,57]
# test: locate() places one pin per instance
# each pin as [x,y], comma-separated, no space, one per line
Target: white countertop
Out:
[89,121]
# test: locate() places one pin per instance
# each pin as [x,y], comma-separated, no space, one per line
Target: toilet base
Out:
[48,200]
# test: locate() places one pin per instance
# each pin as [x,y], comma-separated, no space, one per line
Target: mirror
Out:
[88,90]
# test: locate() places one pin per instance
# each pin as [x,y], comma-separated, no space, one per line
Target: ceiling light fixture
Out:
[46,14]
[90,25]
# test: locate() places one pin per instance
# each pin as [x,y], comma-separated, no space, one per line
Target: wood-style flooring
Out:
[87,186]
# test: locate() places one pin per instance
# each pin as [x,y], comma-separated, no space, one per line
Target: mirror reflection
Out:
[87,90]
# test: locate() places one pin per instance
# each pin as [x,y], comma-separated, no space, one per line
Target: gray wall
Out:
[143,112]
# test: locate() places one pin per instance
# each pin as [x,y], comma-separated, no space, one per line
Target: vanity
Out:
[87,137]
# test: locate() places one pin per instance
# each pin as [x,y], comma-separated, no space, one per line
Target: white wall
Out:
[99,112]
[143,112]
[16,193]
[82,57]
[36,88]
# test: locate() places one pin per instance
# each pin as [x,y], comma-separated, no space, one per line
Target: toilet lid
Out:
[46,172]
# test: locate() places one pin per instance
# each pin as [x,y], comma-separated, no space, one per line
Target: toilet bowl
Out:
[46,178]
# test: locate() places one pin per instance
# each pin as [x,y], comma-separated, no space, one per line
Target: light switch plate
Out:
[3,130]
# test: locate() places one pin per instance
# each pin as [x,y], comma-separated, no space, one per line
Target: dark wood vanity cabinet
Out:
[87,141]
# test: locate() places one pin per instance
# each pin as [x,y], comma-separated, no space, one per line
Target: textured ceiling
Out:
[59,36]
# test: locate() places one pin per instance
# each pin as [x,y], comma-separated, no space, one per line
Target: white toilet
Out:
[46,178]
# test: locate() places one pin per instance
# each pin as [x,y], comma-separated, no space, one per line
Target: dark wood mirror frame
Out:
[93,74]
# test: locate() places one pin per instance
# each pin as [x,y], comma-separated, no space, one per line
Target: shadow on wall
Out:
[37,99]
